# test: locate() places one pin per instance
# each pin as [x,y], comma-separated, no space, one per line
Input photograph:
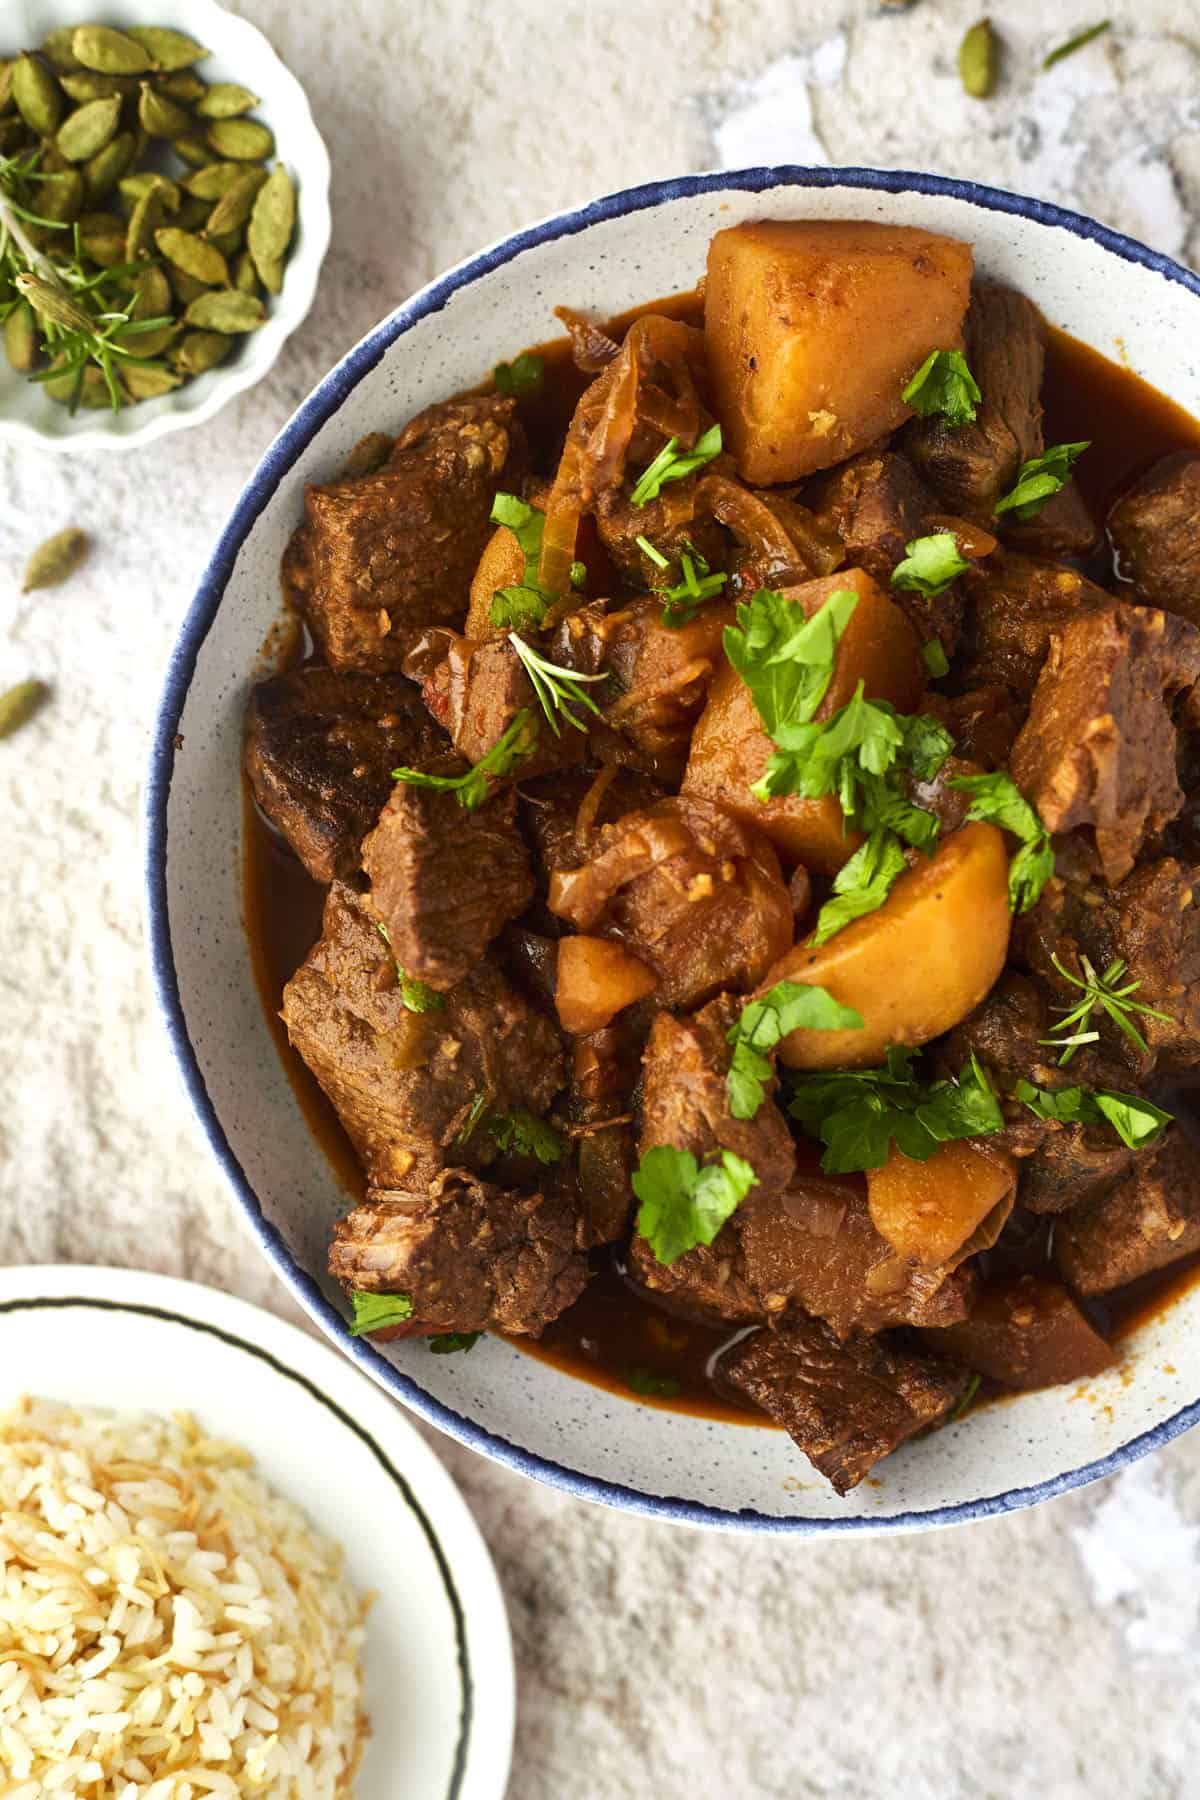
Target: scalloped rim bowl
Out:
[1118,296]
[240,52]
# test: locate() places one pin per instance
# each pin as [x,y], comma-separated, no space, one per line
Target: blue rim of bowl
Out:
[297,434]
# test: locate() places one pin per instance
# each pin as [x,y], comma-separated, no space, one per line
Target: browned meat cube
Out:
[444,881]
[381,557]
[1099,747]
[687,888]
[1026,1333]
[470,1256]
[684,1099]
[1152,920]
[1062,526]
[319,753]
[562,813]
[670,523]
[406,1085]
[1155,529]
[983,722]
[846,1405]
[606,1066]
[1014,605]
[477,690]
[973,466]
[1148,1221]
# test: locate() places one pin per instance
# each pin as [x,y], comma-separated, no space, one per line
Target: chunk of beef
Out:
[562,813]
[671,523]
[1152,922]
[1025,1333]
[1015,604]
[690,890]
[846,1404]
[444,881]
[1099,748]
[1062,526]
[476,690]
[973,466]
[1148,1221]
[470,1256]
[1155,530]
[319,753]
[404,1084]
[606,1068]
[983,722]
[382,556]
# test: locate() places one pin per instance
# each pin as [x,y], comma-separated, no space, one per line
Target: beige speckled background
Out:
[1050,1654]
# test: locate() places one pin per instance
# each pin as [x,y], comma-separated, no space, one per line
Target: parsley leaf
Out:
[670,465]
[577,574]
[683,1203]
[784,658]
[862,885]
[997,800]
[931,564]
[526,1135]
[527,604]
[417,996]
[472,788]
[649,1382]
[517,606]
[859,1115]
[372,1312]
[475,1112]
[447,1342]
[656,556]
[698,585]
[944,384]
[788,1006]
[936,660]
[523,378]
[1041,477]
[1137,1122]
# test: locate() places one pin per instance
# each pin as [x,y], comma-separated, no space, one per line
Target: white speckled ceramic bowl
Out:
[1117,296]
[239,53]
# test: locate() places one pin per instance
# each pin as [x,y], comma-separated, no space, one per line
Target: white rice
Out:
[170,1629]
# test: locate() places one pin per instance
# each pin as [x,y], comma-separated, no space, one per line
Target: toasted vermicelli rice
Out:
[170,1629]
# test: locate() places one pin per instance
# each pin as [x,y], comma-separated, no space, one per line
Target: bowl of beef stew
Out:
[684,942]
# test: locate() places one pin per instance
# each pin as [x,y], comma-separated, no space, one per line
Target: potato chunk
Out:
[815,327]
[918,965]
[730,749]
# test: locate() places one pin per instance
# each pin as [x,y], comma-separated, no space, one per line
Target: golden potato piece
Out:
[815,327]
[501,565]
[596,979]
[939,1212]
[730,748]
[918,965]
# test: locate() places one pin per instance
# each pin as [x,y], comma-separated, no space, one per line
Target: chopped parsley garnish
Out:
[997,800]
[936,660]
[673,465]
[688,596]
[577,574]
[1039,478]
[447,1342]
[1077,43]
[858,1115]
[557,689]
[1101,993]
[526,1135]
[528,603]
[517,606]
[374,1312]
[788,1006]
[969,1392]
[863,885]
[931,565]
[649,1382]
[475,1112]
[472,788]
[656,556]
[784,658]
[418,996]
[944,384]
[523,378]
[685,1203]
[1137,1122]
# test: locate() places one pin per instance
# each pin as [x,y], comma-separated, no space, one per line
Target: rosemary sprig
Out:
[1100,994]
[557,689]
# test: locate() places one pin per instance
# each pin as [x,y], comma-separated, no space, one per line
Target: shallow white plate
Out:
[438,1662]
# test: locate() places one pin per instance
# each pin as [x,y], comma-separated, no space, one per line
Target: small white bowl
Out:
[239,53]
[1122,299]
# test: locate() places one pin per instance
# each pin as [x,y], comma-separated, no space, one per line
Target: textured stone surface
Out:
[1046,1654]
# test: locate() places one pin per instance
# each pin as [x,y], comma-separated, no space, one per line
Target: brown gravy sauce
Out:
[615,1335]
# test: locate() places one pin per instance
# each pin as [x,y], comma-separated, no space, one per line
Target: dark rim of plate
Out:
[296,435]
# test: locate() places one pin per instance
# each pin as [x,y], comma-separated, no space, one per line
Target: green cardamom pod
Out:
[88,129]
[109,166]
[54,560]
[227,242]
[193,214]
[14,135]
[58,48]
[49,301]
[195,150]
[148,382]
[6,81]
[202,261]
[63,388]
[20,337]
[110,52]
[102,237]
[144,221]
[170,50]
[183,85]
[85,84]
[184,287]
[979,60]
[271,225]
[151,294]
[245,275]
[19,704]
[235,205]
[160,116]
[213,182]
[93,390]
[226,100]
[134,186]
[61,196]
[38,97]
[149,343]
[227,310]
[240,140]
[200,351]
